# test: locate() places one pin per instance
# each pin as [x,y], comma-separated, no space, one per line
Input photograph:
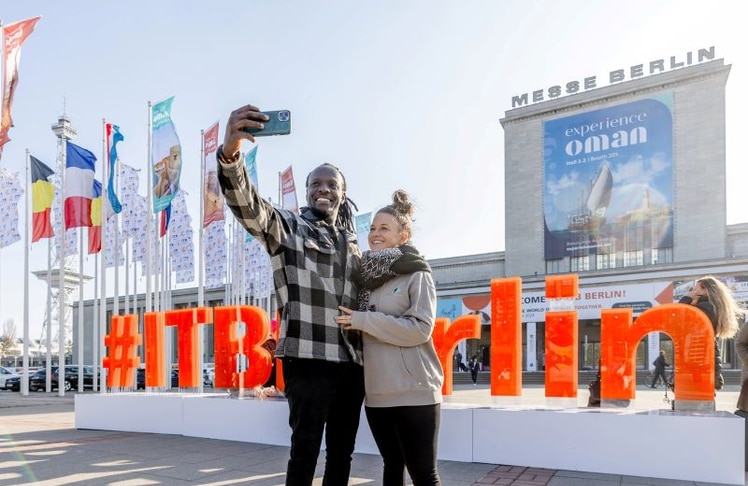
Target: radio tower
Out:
[58,316]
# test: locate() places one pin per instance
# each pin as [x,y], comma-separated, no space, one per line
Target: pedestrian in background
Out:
[474,368]
[659,372]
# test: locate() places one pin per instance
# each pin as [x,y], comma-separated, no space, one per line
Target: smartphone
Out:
[278,124]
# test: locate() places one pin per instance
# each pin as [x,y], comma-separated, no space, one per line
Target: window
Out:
[634,236]
[633,258]
[607,260]
[553,266]
[580,264]
[662,255]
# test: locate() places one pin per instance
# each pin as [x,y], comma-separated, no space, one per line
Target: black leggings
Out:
[407,437]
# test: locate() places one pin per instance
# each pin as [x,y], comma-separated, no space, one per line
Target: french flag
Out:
[79,183]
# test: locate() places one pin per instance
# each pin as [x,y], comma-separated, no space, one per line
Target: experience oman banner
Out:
[609,180]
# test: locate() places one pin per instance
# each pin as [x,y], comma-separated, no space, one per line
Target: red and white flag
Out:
[79,186]
[288,191]
[212,197]
[13,36]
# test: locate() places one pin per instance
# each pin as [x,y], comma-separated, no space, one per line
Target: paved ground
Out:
[39,445]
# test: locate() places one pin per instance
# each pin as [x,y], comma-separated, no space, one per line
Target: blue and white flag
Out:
[166,156]
[113,137]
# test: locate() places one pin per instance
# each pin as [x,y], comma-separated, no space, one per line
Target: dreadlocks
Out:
[345,217]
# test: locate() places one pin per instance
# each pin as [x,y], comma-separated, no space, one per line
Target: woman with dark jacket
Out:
[741,348]
[715,300]
[402,373]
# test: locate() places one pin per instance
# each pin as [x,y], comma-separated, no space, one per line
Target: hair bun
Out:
[401,203]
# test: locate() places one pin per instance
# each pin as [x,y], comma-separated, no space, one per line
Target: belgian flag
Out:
[42,195]
[94,231]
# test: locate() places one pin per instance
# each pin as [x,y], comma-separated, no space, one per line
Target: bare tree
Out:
[8,339]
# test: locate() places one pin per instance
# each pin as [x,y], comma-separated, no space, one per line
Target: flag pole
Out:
[25,377]
[61,291]
[135,286]
[243,261]
[48,364]
[160,307]
[149,219]
[95,327]
[159,263]
[127,276]
[228,297]
[200,256]
[201,230]
[238,259]
[79,340]
[102,258]
[115,258]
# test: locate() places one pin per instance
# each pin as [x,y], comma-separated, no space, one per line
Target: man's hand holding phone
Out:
[278,123]
[248,122]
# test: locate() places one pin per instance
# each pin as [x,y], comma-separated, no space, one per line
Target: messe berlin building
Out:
[623,185]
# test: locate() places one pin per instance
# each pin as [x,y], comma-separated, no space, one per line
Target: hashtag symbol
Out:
[122,359]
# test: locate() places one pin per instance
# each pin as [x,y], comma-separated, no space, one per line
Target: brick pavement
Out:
[517,476]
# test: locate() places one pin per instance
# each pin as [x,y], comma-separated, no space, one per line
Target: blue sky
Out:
[399,94]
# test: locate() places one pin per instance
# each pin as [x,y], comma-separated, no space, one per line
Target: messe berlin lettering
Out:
[616,76]
[689,329]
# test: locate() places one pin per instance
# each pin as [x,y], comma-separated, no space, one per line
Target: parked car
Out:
[38,380]
[13,383]
[6,373]
[140,379]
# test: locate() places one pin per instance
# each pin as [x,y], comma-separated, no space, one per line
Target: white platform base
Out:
[694,446]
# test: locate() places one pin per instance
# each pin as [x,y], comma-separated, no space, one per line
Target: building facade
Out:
[624,185]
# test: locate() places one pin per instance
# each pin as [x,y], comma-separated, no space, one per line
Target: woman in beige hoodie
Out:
[402,373]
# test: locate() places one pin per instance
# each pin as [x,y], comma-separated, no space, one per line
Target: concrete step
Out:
[732,377]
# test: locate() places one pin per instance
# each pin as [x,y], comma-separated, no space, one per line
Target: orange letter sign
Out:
[693,344]
[561,334]
[122,359]
[229,346]
[506,337]
[446,336]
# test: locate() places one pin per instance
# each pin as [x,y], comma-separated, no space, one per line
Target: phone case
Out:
[278,124]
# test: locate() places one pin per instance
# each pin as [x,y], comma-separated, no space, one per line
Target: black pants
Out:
[407,437]
[658,374]
[322,397]
[474,375]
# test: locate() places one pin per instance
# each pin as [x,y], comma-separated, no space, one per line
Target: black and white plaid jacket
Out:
[312,266]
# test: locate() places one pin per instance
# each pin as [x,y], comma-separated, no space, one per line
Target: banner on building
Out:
[609,181]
